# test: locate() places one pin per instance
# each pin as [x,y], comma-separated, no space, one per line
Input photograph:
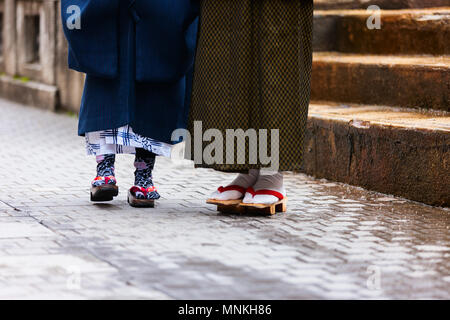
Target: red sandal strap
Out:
[110,178]
[136,189]
[106,179]
[277,194]
[232,188]
[144,191]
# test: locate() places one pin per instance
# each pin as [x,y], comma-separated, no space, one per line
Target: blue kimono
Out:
[138,58]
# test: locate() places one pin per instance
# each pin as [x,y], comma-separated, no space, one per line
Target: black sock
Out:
[105,165]
[144,163]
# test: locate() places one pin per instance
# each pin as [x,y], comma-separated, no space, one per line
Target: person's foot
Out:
[268,189]
[236,189]
[104,186]
[143,193]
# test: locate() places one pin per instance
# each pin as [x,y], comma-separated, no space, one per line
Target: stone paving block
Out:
[22,229]
[49,265]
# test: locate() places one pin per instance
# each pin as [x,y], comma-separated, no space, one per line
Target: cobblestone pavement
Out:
[336,241]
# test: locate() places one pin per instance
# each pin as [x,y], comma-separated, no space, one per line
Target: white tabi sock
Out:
[242,180]
[268,181]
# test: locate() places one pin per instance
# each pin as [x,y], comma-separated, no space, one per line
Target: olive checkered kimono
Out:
[253,71]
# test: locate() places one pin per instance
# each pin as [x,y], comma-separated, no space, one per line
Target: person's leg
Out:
[237,188]
[143,176]
[268,189]
[104,188]
[105,169]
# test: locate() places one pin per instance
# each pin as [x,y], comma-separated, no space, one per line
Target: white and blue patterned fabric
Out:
[123,140]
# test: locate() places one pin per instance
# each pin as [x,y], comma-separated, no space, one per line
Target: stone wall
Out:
[383,4]
[33,62]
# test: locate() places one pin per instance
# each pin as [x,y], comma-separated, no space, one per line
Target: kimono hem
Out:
[123,140]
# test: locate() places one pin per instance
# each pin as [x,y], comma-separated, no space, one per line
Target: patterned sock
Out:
[242,180]
[271,181]
[144,164]
[105,170]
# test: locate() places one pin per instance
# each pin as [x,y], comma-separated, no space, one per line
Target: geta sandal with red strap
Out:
[140,197]
[272,208]
[104,189]
[228,206]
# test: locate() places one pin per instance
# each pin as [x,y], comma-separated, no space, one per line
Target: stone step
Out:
[383,4]
[396,151]
[413,31]
[29,92]
[405,81]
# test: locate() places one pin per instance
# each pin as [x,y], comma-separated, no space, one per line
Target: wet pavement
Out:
[335,241]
